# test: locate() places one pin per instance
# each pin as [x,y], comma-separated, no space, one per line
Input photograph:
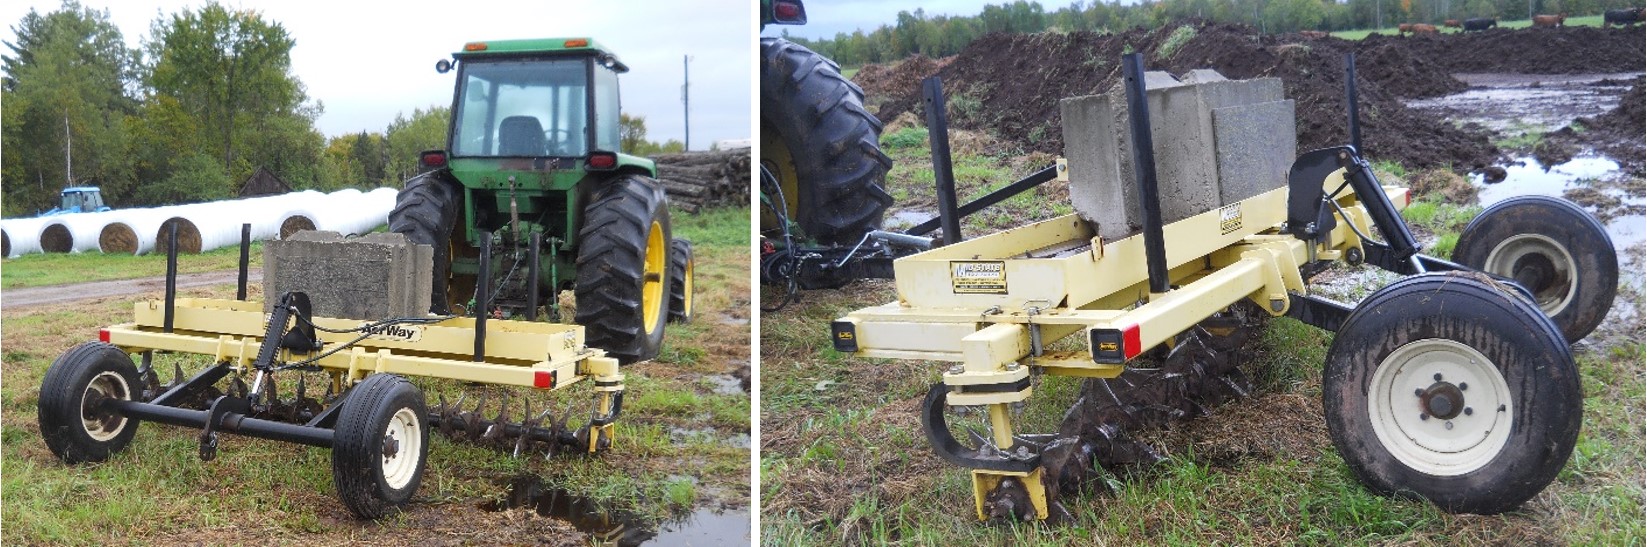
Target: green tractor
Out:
[821,161]
[531,177]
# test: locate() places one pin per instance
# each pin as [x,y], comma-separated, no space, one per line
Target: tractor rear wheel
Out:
[681,268]
[76,427]
[1553,248]
[426,211]
[380,445]
[1446,387]
[623,268]
[821,144]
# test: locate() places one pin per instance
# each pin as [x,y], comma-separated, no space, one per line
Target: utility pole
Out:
[68,152]
[686,101]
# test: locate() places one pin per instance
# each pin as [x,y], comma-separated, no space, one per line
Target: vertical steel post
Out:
[171,277]
[937,125]
[532,277]
[483,289]
[245,260]
[1350,99]
[1143,159]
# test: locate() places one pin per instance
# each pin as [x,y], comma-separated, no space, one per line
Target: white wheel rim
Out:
[403,432]
[107,384]
[1516,250]
[1429,443]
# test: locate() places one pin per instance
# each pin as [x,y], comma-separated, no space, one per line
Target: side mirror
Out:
[443,66]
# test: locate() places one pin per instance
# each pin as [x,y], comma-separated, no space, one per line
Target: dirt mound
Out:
[1011,85]
[883,80]
[1566,50]
[1616,133]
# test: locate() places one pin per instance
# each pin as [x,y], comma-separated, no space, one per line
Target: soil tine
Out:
[301,377]
[499,425]
[238,387]
[525,438]
[474,426]
[440,406]
[177,376]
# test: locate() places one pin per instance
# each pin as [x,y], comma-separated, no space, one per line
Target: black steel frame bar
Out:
[232,422]
[245,260]
[998,195]
[483,289]
[1143,159]
[943,172]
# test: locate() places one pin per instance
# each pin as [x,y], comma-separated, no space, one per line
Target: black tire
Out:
[426,210]
[681,273]
[73,385]
[1551,246]
[613,281]
[826,145]
[1404,346]
[380,408]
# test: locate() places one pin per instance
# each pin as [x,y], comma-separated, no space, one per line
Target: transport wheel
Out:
[821,144]
[380,445]
[681,268]
[1444,387]
[426,210]
[623,268]
[76,427]
[1552,247]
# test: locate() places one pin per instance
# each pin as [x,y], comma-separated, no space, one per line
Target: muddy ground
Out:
[1010,85]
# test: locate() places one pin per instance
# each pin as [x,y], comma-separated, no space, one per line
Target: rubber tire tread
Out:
[833,139]
[426,210]
[1524,345]
[59,404]
[357,448]
[1568,225]
[680,256]
[611,268]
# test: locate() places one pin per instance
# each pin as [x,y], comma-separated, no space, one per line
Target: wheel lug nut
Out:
[1468,411]
[1423,416]
[1463,386]
[1437,376]
[1418,392]
[1449,426]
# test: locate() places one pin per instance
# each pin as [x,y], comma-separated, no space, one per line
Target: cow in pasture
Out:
[1403,28]
[1623,17]
[1550,20]
[1450,23]
[1479,23]
[1421,28]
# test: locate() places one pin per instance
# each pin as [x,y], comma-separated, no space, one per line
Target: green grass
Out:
[42,269]
[675,447]
[1586,21]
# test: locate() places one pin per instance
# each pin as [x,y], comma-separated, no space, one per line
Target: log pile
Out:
[696,180]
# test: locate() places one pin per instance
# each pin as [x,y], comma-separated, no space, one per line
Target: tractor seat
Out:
[520,136]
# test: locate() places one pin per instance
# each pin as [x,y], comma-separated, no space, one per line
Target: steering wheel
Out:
[555,140]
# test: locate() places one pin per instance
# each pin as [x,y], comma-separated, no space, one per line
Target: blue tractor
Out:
[79,199]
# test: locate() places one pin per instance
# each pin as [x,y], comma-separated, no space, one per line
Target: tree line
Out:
[206,99]
[942,35]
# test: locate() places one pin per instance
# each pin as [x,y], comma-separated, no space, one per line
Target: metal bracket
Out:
[950,449]
[225,407]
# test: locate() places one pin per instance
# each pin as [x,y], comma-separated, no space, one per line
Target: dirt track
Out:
[1011,84]
[60,294]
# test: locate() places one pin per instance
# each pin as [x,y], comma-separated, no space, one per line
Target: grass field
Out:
[44,269]
[1586,21]
[682,441]
[843,459]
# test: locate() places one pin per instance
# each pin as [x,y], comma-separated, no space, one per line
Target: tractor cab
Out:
[79,199]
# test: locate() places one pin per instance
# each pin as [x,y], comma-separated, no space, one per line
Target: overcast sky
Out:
[825,18]
[367,61]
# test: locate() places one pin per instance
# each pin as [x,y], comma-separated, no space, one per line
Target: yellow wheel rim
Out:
[775,155]
[652,295]
[686,289]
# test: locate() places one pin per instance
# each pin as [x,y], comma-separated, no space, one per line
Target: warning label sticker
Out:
[978,277]
[1229,218]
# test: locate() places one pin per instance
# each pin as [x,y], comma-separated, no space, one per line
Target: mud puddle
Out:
[686,435]
[1593,182]
[1515,104]
[704,526]
[907,218]
[724,384]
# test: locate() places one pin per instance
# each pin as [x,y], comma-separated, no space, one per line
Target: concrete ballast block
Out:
[376,276]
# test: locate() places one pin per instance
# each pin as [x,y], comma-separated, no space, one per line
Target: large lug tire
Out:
[426,210]
[821,144]
[75,427]
[622,282]
[1552,247]
[681,274]
[1447,387]
[380,445]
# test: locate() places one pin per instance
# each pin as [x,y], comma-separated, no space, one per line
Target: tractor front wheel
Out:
[426,211]
[77,426]
[1553,248]
[622,286]
[680,281]
[1445,387]
[380,445]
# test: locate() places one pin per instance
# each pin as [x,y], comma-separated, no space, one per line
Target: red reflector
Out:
[103,335]
[786,11]
[1131,343]
[603,161]
[544,379]
[433,159]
